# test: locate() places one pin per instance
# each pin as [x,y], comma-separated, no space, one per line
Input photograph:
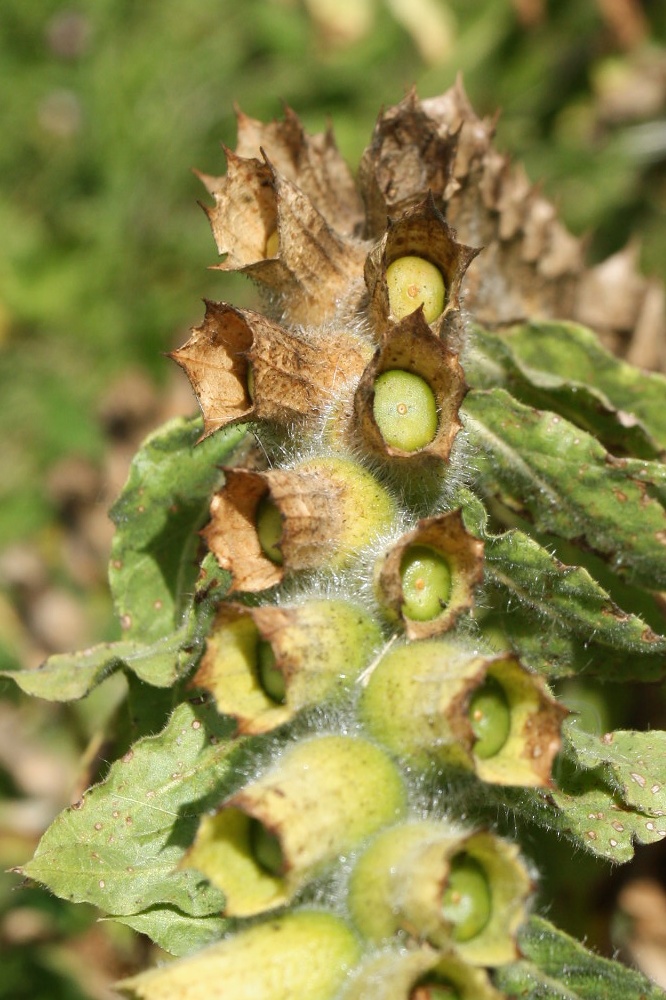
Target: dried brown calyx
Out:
[531,266]
[318,515]
[407,401]
[243,366]
[427,579]
[421,232]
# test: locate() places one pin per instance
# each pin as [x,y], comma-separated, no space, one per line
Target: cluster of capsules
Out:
[351,572]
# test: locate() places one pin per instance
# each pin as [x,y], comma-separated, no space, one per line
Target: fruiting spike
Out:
[269,529]
[405,410]
[490,717]
[466,900]
[425,576]
[414,282]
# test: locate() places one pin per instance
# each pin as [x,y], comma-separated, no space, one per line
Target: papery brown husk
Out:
[420,232]
[295,375]
[412,346]
[446,534]
[309,504]
[531,266]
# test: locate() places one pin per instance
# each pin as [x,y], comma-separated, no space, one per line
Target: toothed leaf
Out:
[553,473]
[120,845]
[564,368]
[555,967]
[154,555]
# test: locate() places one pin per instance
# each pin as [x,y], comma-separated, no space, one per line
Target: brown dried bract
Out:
[294,375]
[308,502]
[446,534]
[531,265]
[412,346]
[421,232]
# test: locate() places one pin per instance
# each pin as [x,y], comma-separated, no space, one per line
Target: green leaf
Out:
[634,762]
[563,367]
[557,617]
[546,469]
[69,676]
[119,847]
[558,967]
[609,795]
[178,933]
[165,501]
[561,621]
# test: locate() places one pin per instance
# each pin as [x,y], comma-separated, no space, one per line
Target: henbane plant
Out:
[420,497]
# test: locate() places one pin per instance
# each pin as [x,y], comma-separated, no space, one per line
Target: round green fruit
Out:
[405,410]
[269,529]
[426,583]
[490,717]
[414,281]
[466,901]
[271,679]
[265,848]
[434,988]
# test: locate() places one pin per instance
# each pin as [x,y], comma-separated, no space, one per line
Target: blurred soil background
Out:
[106,107]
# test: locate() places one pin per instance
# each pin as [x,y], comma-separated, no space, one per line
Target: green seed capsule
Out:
[490,718]
[271,679]
[426,583]
[269,529]
[405,410]
[434,988]
[265,847]
[413,281]
[466,901]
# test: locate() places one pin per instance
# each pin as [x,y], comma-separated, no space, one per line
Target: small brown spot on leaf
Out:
[639,779]
[126,621]
[660,536]
[128,757]
[98,826]
[591,835]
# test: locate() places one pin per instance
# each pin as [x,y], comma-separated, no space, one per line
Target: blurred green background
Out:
[106,107]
